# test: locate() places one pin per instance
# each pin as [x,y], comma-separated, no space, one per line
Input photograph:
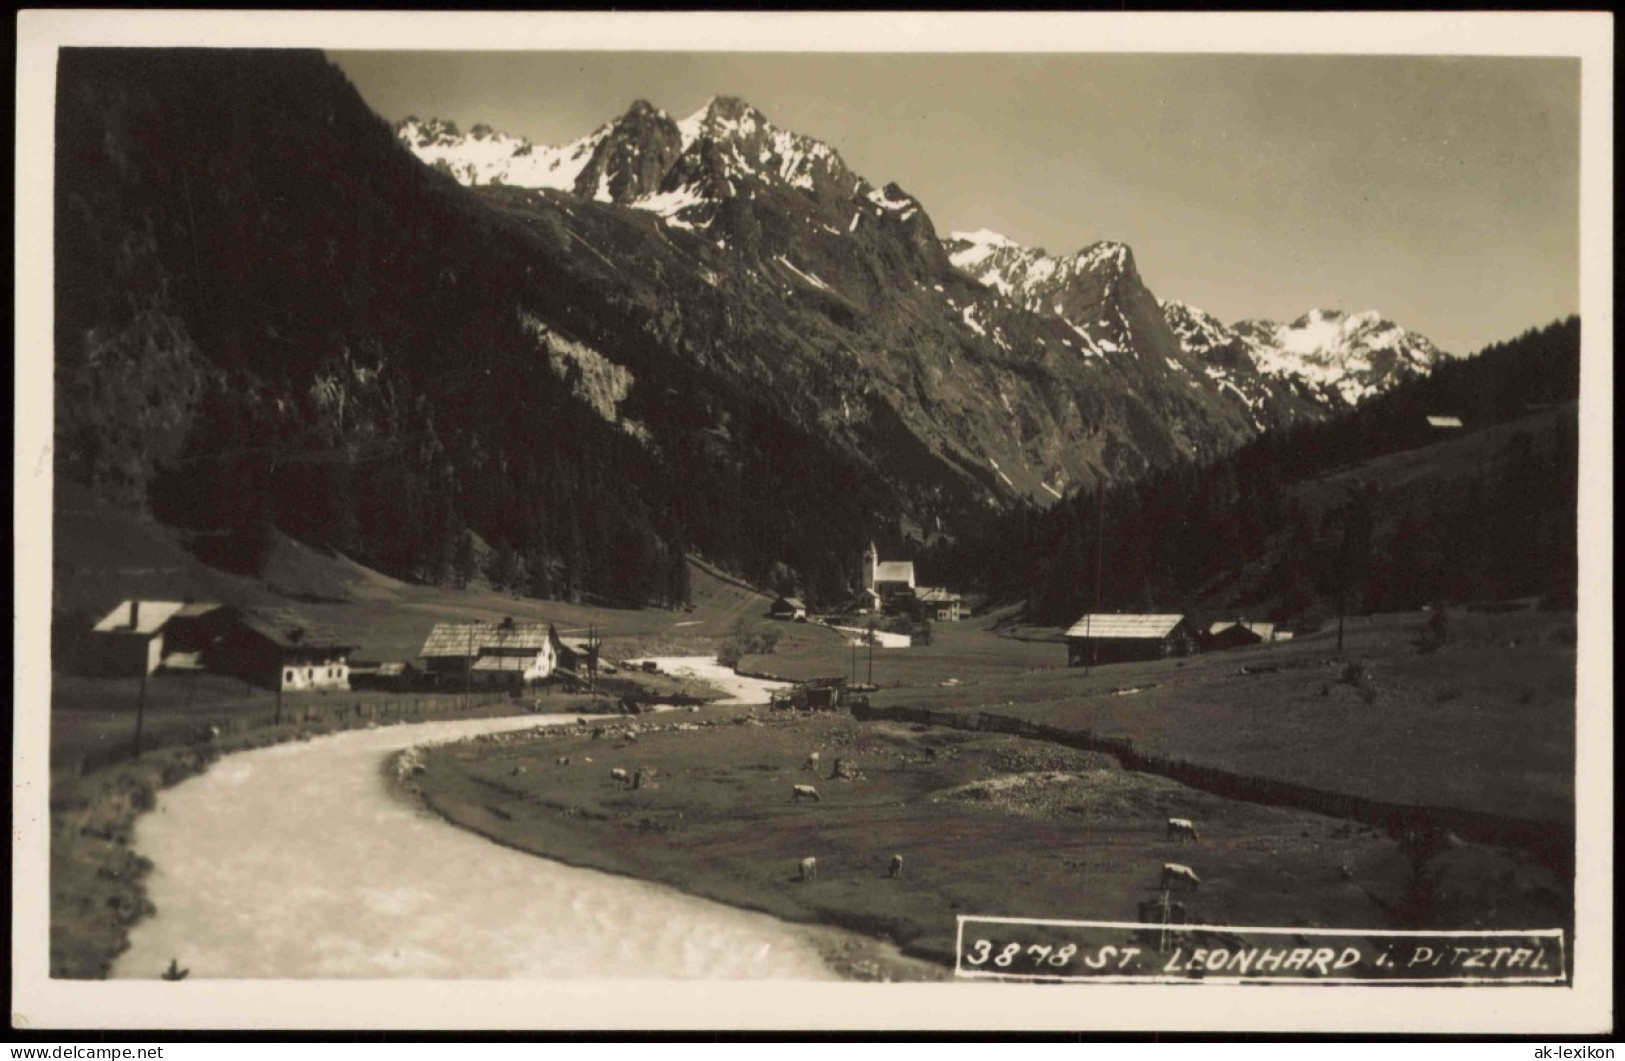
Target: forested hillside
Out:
[270,313]
[1378,506]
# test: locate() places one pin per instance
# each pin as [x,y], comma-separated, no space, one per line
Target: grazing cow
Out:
[811,763]
[809,869]
[802,792]
[896,867]
[563,760]
[1173,871]
[1182,829]
[619,777]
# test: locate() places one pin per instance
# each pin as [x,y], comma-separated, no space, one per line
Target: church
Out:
[887,584]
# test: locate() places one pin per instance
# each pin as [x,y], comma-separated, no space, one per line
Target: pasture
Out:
[1486,722]
[986,825]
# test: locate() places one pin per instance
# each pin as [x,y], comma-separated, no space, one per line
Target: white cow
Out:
[619,777]
[809,869]
[804,792]
[1173,871]
[896,866]
[1182,829]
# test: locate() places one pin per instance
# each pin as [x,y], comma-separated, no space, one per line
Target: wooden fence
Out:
[1551,841]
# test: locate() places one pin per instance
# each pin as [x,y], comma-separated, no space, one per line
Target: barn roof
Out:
[1444,421]
[935,595]
[1125,626]
[794,602]
[894,571]
[286,628]
[1263,630]
[151,617]
[463,640]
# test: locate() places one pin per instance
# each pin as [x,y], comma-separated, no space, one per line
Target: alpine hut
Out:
[1120,638]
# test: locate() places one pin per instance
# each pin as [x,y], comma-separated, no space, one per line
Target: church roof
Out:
[895,571]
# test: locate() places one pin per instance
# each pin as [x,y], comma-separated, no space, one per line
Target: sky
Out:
[1441,191]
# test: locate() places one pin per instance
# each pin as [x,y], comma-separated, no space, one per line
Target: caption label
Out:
[1012,948]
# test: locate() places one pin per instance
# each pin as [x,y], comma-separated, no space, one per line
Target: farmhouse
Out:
[279,648]
[938,604]
[1239,633]
[887,584]
[1119,638]
[129,640]
[488,655]
[789,608]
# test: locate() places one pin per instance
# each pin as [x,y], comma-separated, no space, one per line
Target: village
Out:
[281,650]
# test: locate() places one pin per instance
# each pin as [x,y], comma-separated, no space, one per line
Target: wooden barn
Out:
[487,655]
[280,649]
[1238,633]
[792,609]
[1121,638]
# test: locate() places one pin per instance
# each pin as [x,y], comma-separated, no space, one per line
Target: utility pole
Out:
[871,680]
[468,668]
[141,708]
[854,661]
[1100,538]
[1342,583]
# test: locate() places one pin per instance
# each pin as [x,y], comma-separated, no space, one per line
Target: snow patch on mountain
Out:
[486,157]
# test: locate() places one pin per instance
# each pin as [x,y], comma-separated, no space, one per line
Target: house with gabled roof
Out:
[1118,638]
[279,648]
[129,640]
[1239,633]
[936,603]
[486,655]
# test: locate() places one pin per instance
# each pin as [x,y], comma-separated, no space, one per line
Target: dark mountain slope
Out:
[268,311]
[1378,506]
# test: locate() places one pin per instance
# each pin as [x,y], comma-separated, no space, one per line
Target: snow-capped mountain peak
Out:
[485,156]
[1340,357]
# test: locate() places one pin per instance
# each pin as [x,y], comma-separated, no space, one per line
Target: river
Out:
[299,861]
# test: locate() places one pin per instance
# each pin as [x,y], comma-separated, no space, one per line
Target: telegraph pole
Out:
[1100,538]
[141,708]
[871,680]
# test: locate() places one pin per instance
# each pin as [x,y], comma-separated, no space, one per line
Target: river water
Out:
[299,862]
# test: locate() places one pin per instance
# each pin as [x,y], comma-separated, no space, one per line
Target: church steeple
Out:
[871,565]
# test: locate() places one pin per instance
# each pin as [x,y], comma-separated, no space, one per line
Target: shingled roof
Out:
[1263,630]
[286,628]
[150,617]
[465,640]
[1153,627]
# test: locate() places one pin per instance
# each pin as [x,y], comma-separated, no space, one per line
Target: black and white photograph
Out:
[817,521]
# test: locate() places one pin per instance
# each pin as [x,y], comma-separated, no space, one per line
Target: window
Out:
[287,676]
